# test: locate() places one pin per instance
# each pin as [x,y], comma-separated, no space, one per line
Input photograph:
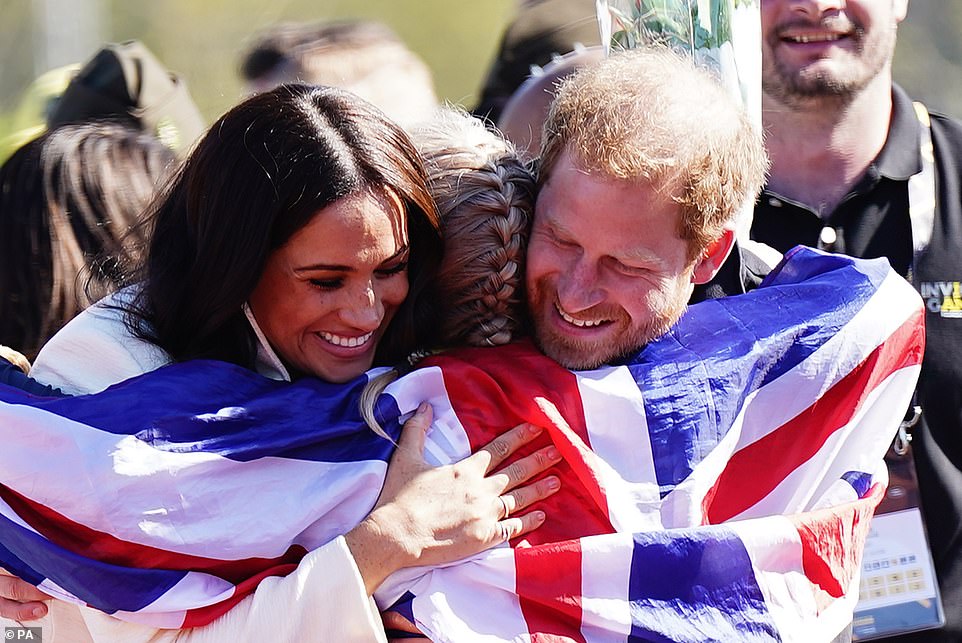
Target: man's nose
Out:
[816,8]
[580,287]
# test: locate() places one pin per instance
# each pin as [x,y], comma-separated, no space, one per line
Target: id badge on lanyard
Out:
[898,592]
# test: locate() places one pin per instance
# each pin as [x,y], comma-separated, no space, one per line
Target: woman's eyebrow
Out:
[403,250]
[324,266]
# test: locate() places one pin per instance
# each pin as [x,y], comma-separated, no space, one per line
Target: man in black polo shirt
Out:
[851,159]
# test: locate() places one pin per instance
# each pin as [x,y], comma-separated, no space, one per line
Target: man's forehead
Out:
[630,235]
[580,182]
[571,164]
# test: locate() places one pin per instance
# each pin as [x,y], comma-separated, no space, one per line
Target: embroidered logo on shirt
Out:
[942,297]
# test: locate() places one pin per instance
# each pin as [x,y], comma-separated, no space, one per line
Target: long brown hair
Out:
[70,202]
[262,171]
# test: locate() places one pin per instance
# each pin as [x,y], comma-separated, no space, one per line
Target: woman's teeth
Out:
[346,342]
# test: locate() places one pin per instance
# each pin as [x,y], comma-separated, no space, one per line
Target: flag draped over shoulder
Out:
[715,486]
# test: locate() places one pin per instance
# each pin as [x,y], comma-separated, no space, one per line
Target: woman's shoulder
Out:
[96,349]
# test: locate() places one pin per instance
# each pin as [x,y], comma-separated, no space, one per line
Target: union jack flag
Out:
[717,485]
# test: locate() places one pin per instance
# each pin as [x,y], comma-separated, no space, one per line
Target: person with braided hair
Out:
[485,195]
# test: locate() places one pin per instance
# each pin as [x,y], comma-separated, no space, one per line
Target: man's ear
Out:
[714,256]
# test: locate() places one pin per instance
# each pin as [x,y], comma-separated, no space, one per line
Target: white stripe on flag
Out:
[446,440]
[796,390]
[605,574]
[446,593]
[682,507]
[217,520]
[859,446]
[618,434]
[782,399]
[775,552]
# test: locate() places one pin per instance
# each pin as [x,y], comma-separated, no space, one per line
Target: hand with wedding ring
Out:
[432,515]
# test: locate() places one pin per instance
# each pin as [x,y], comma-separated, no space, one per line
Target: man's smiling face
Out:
[826,49]
[607,271]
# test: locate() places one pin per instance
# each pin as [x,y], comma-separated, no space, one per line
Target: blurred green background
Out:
[203,41]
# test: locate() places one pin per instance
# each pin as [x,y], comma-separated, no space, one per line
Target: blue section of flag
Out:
[690,582]
[859,480]
[697,376]
[223,409]
[405,607]
[107,587]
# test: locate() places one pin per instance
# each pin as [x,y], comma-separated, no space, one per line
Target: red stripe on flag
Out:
[744,482]
[833,540]
[494,390]
[106,548]
[549,591]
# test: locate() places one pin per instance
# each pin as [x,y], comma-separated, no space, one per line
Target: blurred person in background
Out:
[364,57]
[70,202]
[71,197]
[522,118]
[540,31]
[125,83]
[28,119]
[121,83]
[859,168]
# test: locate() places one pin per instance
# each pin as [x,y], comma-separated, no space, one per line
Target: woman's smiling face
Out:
[326,297]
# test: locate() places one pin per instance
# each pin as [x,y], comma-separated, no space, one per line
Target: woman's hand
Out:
[431,515]
[19,600]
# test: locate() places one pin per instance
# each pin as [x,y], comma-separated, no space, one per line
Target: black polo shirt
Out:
[873,221]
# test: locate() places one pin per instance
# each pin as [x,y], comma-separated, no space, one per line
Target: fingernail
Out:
[553,483]
[423,407]
[553,454]
[533,430]
[38,612]
[538,515]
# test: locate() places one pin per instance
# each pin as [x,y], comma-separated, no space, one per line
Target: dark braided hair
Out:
[485,196]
